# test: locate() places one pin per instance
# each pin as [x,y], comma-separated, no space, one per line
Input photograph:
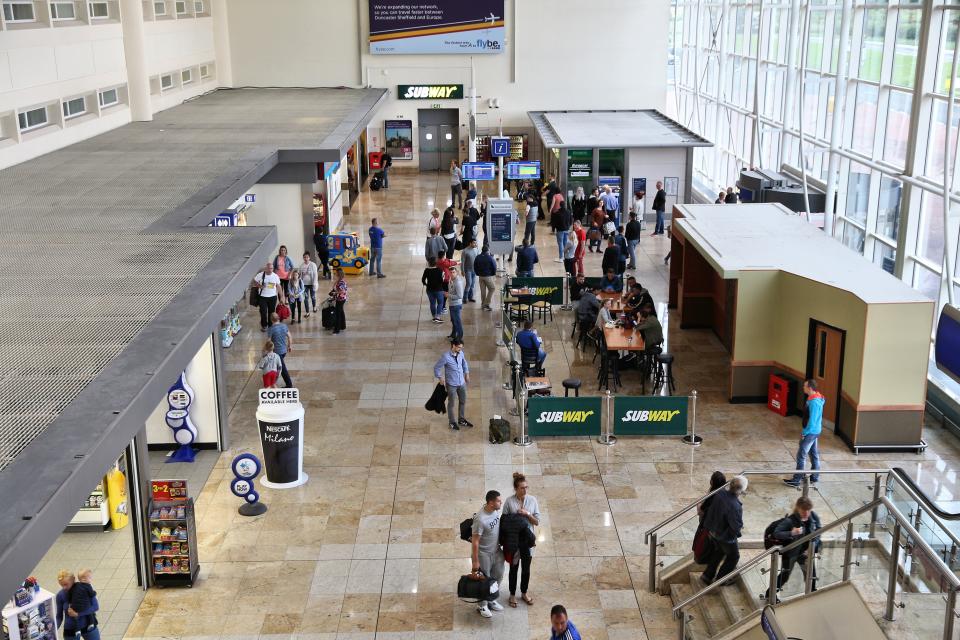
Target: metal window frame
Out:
[106,105]
[92,3]
[54,5]
[26,115]
[14,20]
[708,99]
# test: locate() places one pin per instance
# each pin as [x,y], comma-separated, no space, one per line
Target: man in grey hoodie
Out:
[466,261]
[435,245]
[455,296]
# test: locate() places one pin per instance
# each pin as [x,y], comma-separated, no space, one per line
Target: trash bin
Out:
[376,160]
[781,392]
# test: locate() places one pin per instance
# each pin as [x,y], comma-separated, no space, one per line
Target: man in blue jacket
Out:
[485,266]
[724,522]
[376,248]
[812,425]
[526,258]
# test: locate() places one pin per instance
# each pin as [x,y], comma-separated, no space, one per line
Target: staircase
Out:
[716,612]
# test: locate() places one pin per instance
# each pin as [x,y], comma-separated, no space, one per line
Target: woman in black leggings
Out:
[526,505]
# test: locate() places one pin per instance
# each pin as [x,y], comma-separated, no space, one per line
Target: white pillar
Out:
[135,55]
[221,43]
[472,132]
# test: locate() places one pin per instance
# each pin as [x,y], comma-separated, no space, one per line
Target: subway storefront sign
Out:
[430,91]
[549,416]
[549,289]
[650,415]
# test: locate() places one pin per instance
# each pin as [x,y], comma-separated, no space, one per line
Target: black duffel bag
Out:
[476,587]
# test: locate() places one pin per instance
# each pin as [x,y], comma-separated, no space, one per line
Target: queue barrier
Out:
[622,416]
[547,288]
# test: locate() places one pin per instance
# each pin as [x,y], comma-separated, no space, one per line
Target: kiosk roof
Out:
[615,129]
[767,236]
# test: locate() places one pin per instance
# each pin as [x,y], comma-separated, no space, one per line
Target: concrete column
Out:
[221,43]
[135,55]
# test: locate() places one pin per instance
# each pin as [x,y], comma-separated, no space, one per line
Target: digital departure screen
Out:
[479,170]
[524,170]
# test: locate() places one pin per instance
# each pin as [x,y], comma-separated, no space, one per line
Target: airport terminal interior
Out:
[396,319]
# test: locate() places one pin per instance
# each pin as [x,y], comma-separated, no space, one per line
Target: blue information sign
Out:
[523,170]
[479,171]
[249,197]
[500,147]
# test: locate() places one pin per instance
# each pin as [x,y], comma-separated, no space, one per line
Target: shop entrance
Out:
[439,138]
[825,364]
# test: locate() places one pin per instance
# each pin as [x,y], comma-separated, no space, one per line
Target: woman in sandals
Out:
[525,505]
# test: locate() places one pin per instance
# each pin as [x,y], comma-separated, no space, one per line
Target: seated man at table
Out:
[650,328]
[526,258]
[528,340]
[611,282]
[638,299]
[578,286]
[627,285]
[588,307]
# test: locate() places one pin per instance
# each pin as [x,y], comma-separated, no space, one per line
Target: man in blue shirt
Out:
[526,258]
[611,282]
[453,372]
[282,342]
[561,627]
[528,340]
[485,266]
[610,203]
[376,248]
[812,425]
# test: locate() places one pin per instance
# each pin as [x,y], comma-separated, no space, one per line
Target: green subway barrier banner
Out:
[650,415]
[549,289]
[549,416]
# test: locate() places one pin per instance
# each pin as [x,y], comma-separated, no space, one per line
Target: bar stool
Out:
[571,383]
[664,373]
[542,308]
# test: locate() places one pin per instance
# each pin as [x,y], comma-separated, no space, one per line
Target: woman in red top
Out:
[581,234]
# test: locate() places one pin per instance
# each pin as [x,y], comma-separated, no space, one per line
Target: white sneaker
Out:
[485,612]
[496,606]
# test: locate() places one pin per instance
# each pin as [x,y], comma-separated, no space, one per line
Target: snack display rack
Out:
[32,621]
[94,514]
[230,325]
[173,543]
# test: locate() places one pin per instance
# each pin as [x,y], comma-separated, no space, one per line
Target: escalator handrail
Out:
[921,497]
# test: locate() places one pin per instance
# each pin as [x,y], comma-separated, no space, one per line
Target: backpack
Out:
[466,529]
[768,540]
[499,430]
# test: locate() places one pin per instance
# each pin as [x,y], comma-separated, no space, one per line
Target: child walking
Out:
[295,297]
[270,365]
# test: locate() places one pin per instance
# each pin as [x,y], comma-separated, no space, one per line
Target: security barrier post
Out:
[606,437]
[522,439]
[692,438]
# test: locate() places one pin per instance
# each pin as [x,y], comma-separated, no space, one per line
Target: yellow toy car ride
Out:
[347,253]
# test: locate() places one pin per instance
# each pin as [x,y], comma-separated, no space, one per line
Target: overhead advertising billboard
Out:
[440,26]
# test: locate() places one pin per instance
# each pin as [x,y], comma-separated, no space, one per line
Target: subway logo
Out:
[563,416]
[650,416]
[543,291]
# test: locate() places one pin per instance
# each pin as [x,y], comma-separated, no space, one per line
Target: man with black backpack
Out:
[386,161]
[802,522]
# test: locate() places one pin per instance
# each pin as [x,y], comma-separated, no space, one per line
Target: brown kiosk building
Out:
[784,297]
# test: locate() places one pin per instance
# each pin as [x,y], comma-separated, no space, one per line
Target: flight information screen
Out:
[523,170]
[479,171]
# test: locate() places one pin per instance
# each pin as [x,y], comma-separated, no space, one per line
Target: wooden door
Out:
[826,363]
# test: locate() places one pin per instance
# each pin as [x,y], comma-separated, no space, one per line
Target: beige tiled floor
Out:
[368,548]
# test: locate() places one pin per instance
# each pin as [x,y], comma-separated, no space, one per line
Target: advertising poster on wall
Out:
[437,26]
[399,138]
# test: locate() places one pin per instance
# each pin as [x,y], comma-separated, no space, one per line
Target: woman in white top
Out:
[456,184]
[604,316]
[527,506]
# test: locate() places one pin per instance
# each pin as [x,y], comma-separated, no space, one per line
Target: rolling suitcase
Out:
[328,316]
[376,182]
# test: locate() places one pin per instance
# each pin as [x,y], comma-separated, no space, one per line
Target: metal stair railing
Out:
[655,533]
[902,527]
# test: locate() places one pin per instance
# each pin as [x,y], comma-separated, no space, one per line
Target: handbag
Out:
[255,292]
[609,227]
[702,545]
[476,587]
[283,311]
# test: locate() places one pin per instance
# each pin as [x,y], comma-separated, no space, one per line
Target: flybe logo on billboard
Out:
[430,91]
[650,416]
[564,416]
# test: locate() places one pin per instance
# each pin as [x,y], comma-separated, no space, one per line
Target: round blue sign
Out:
[246,465]
[241,487]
